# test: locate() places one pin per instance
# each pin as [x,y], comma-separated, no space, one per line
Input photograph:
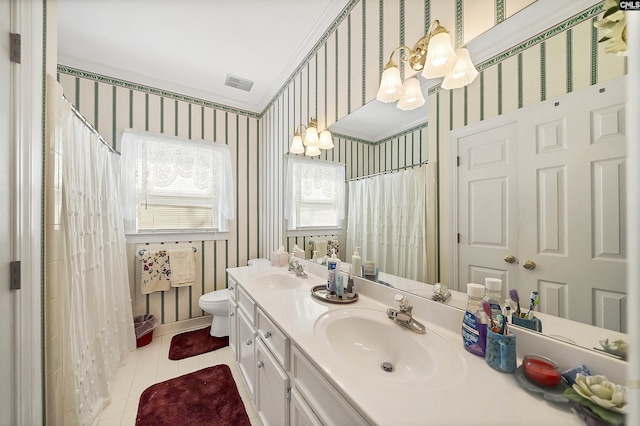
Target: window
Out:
[171,184]
[314,194]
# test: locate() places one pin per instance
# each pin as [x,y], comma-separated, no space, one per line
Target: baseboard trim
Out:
[184,325]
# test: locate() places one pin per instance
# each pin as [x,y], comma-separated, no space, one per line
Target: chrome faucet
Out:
[403,316]
[296,266]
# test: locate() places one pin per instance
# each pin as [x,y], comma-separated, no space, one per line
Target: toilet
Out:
[216,303]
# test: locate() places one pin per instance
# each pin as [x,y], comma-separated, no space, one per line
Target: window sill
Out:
[160,237]
[301,232]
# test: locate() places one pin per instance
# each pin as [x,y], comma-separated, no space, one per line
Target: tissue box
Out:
[279,259]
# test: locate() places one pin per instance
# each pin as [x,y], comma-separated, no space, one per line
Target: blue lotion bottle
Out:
[474,323]
[333,265]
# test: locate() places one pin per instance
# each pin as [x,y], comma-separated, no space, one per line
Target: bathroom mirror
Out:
[369,114]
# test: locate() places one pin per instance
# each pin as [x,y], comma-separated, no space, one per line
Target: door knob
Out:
[529,264]
[509,258]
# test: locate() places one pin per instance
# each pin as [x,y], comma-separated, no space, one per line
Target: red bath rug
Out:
[205,397]
[192,343]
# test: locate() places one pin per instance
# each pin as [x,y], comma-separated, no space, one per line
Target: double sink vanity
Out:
[305,361]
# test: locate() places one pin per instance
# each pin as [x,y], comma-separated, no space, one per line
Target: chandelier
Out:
[308,141]
[433,54]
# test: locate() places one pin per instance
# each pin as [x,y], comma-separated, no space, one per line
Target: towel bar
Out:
[141,251]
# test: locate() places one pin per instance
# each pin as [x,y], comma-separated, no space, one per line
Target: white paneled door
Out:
[541,204]
[572,222]
[6,355]
[488,199]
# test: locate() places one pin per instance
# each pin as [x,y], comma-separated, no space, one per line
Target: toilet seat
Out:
[215,296]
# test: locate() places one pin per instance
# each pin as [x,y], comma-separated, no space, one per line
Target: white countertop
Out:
[482,396]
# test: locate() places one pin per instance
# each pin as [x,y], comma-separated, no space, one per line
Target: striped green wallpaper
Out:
[112,105]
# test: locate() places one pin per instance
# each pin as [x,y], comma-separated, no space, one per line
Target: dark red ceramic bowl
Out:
[541,370]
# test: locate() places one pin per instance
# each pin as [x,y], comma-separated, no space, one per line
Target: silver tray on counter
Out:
[321,292]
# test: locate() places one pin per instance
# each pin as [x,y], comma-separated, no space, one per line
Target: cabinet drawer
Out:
[247,305]
[233,288]
[274,338]
[321,396]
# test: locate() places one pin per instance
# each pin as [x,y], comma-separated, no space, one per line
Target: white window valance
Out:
[315,193]
[152,161]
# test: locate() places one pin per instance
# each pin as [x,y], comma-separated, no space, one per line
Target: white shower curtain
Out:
[387,220]
[97,319]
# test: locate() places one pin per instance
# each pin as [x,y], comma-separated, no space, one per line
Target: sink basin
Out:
[278,280]
[365,340]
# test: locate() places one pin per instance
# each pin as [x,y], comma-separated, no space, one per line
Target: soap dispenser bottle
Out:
[333,265]
[356,262]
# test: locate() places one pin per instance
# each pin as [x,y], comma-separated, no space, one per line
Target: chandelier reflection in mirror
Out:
[308,141]
[433,54]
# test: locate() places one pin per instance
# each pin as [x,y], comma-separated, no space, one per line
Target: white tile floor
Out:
[151,364]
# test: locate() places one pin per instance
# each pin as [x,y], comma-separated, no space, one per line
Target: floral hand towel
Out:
[156,273]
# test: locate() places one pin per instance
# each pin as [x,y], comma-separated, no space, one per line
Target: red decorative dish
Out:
[541,370]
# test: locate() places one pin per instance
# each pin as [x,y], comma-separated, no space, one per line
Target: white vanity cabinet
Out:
[233,328]
[272,387]
[285,387]
[320,396]
[233,318]
[301,413]
[246,333]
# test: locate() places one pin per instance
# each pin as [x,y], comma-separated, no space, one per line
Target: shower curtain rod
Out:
[89,126]
[388,171]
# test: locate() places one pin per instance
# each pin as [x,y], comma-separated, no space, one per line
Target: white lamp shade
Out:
[312,151]
[463,73]
[311,136]
[390,85]
[296,145]
[440,56]
[412,98]
[326,140]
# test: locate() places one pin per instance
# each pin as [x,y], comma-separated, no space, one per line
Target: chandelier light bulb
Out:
[390,84]
[296,144]
[326,140]
[440,56]
[312,151]
[413,97]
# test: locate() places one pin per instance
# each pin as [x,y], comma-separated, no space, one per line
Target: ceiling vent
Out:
[238,83]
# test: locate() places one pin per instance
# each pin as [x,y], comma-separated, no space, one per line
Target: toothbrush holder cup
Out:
[501,351]
[532,324]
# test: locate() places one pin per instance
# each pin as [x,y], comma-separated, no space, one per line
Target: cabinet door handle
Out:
[260,364]
[267,334]
[230,288]
[248,342]
[231,314]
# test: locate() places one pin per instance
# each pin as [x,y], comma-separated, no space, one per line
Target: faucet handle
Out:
[402,302]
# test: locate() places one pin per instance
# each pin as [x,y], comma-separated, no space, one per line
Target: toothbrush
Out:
[503,324]
[534,301]
[513,293]
[487,310]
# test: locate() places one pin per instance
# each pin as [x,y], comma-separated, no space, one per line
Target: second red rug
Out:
[192,343]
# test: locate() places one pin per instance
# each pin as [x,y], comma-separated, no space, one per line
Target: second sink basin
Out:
[278,279]
[367,342]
